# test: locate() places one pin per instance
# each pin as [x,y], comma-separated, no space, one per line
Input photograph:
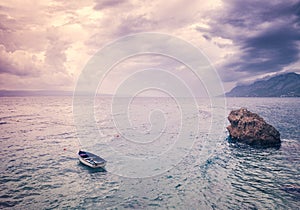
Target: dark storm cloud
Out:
[270,51]
[102,4]
[266,32]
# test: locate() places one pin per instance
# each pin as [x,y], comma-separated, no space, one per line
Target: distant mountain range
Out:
[284,85]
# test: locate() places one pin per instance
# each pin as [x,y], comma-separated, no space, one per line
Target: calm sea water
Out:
[40,170]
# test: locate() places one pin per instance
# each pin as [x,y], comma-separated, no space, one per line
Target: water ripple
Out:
[40,169]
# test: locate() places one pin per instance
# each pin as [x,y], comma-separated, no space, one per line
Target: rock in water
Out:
[250,128]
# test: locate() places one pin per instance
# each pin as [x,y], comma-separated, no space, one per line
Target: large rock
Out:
[251,129]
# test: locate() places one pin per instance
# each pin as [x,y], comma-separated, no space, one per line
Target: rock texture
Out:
[250,128]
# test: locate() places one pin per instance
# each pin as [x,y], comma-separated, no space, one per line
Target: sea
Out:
[162,153]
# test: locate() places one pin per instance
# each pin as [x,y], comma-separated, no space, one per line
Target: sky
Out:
[44,45]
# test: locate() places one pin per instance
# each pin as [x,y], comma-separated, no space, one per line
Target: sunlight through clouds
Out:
[43,40]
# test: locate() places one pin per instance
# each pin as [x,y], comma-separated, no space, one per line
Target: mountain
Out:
[284,85]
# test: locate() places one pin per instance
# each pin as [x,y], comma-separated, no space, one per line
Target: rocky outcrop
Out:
[250,128]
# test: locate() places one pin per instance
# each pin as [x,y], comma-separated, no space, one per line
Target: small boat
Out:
[91,160]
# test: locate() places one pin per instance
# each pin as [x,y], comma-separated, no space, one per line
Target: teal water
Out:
[40,170]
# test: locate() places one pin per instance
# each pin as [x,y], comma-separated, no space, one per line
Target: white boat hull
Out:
[92,161]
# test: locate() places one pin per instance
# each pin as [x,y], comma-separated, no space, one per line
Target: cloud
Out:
[18,63]
[35,43]
[266,33]
[103,4]
[53,39]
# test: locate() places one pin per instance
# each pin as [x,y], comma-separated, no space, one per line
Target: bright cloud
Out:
[46,44]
